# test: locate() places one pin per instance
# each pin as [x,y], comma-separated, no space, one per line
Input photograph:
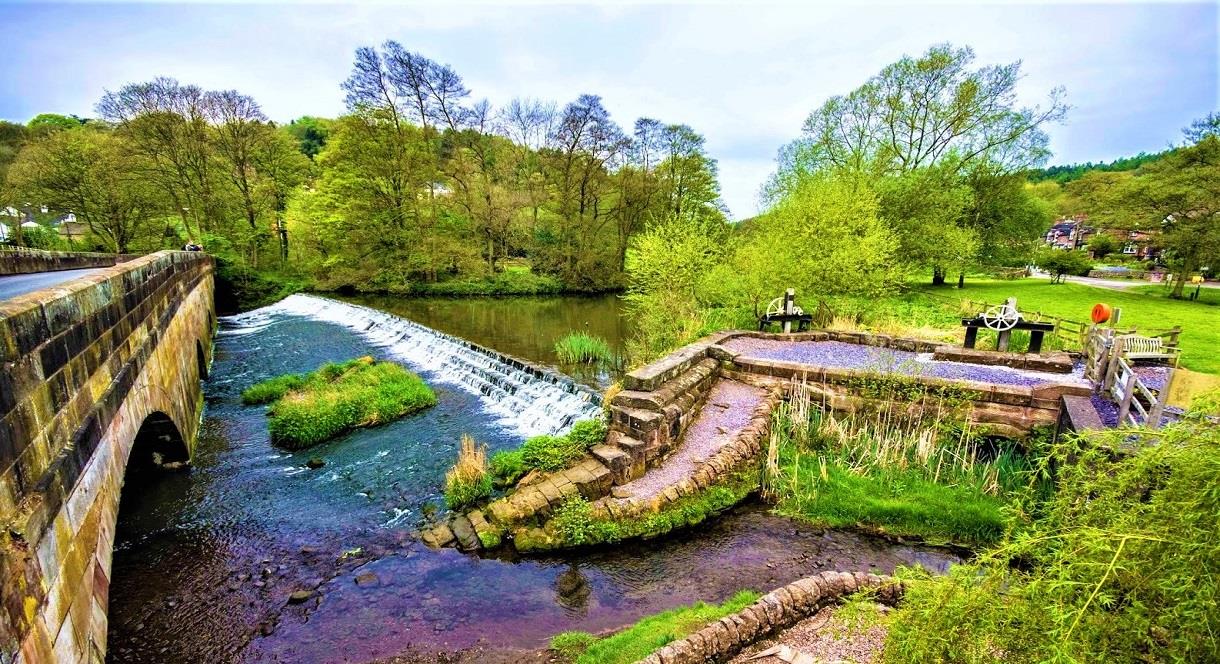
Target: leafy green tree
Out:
[47,122]
[933,113]
[93,174]
[1102,244]
[310,133]
[1060,263]
[1176,197]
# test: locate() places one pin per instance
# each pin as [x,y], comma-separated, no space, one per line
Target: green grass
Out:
[307,409]
[649,634]
[582,347]
[1144,308]
[547,453]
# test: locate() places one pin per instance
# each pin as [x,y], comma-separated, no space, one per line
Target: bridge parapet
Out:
[84,366]
[23,260]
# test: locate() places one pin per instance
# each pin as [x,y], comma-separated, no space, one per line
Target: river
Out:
[205,561]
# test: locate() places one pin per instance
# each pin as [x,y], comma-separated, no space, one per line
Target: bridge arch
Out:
[157,444]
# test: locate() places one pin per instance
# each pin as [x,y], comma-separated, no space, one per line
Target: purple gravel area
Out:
[1153,377]
[1108,410]
[887,360]
[726,412]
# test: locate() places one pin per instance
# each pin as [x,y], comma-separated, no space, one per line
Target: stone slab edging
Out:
[23,260]
[777,610]
[1053,362]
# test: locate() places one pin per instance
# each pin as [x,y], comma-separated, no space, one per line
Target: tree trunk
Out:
[938,276]
[1179,281]
[961,279]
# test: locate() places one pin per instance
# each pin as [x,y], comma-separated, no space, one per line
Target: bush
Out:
[307,409]
[572,644]
[1122,565]
[1059,262]
[581,347]
[507,466]
[509,282]
[468,482]
[588,433]
[550,453]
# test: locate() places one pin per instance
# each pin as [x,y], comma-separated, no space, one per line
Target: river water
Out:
[205,561]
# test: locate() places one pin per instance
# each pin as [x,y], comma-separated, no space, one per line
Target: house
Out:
[3,232]
[69,228]
[1140,244]
[1069,233]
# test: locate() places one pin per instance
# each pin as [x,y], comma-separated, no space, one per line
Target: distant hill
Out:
[1066,173]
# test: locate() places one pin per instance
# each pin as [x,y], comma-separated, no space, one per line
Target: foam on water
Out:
[531,399]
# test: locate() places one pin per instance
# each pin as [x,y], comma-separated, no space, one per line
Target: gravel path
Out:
[825,638]
[856,356]
[727,411]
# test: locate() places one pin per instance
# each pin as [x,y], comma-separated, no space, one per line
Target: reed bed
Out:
[583,348]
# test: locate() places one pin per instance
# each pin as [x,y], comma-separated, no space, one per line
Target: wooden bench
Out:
[1137,347]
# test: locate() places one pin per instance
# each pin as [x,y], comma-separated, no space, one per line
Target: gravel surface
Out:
[858,356]
[825,638]
[727,411]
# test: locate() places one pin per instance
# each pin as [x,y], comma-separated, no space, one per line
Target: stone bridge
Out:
[100,380]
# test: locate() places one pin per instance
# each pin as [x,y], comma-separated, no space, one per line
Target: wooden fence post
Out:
[1154,416]
[1124,408]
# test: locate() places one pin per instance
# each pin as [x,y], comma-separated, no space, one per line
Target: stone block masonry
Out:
[21,260]
[89,368]
[773,612]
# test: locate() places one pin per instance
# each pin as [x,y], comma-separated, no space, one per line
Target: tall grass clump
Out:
[650,633]
[901,469]
[583,348]
[307,409]
[468,481]
[1121,565]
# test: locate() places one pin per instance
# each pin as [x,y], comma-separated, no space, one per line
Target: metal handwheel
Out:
[1001,318]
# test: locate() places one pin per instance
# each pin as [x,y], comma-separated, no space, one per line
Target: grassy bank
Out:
[926,478]
[547,453]
[1145,308]
[647,635]
[307,409]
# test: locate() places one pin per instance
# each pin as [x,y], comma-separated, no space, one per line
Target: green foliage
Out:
[468,482]
[1122,565]
[1060,262]
[311,408]
[1064,174]
[509,282]
[649,634]
[273,389]
[551,453]
[507,466]
[572,644]
[886,472]
[1102,245]
[576,525]
[582,347]
[588,433]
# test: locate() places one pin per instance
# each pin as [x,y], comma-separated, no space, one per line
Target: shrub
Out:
[307,409]
[1059,262]
[468,482]
[582,347]
[573,520]
[1122,565]
[588,433]
[507,466]
[550,453]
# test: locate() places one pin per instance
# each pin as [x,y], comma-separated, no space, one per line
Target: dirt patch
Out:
[825,637]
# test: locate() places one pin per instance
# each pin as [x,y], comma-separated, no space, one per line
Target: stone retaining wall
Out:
[1054,362]
[22,260]
[773,612]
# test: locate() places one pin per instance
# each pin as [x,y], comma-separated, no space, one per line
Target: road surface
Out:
[19,284]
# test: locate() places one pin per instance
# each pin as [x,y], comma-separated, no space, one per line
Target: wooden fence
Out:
[1138,403]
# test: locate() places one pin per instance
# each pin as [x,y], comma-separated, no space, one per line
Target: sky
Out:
[743,75]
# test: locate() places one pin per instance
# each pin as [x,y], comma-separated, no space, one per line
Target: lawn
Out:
[1146,309]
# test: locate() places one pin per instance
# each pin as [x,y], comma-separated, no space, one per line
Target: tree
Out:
[310,134]
[1060,263]
[933,113]
[93,174]
[1102,245]
[1176,197]
[47,122]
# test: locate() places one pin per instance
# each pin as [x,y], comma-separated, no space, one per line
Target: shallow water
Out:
[205,561]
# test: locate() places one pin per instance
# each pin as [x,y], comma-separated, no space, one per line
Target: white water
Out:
[527,398]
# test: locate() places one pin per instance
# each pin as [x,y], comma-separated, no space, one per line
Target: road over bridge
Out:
[99,378]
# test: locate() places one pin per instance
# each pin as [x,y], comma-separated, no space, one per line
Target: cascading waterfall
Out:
[531,399]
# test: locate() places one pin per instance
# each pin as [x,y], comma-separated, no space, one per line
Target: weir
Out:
[532,399]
